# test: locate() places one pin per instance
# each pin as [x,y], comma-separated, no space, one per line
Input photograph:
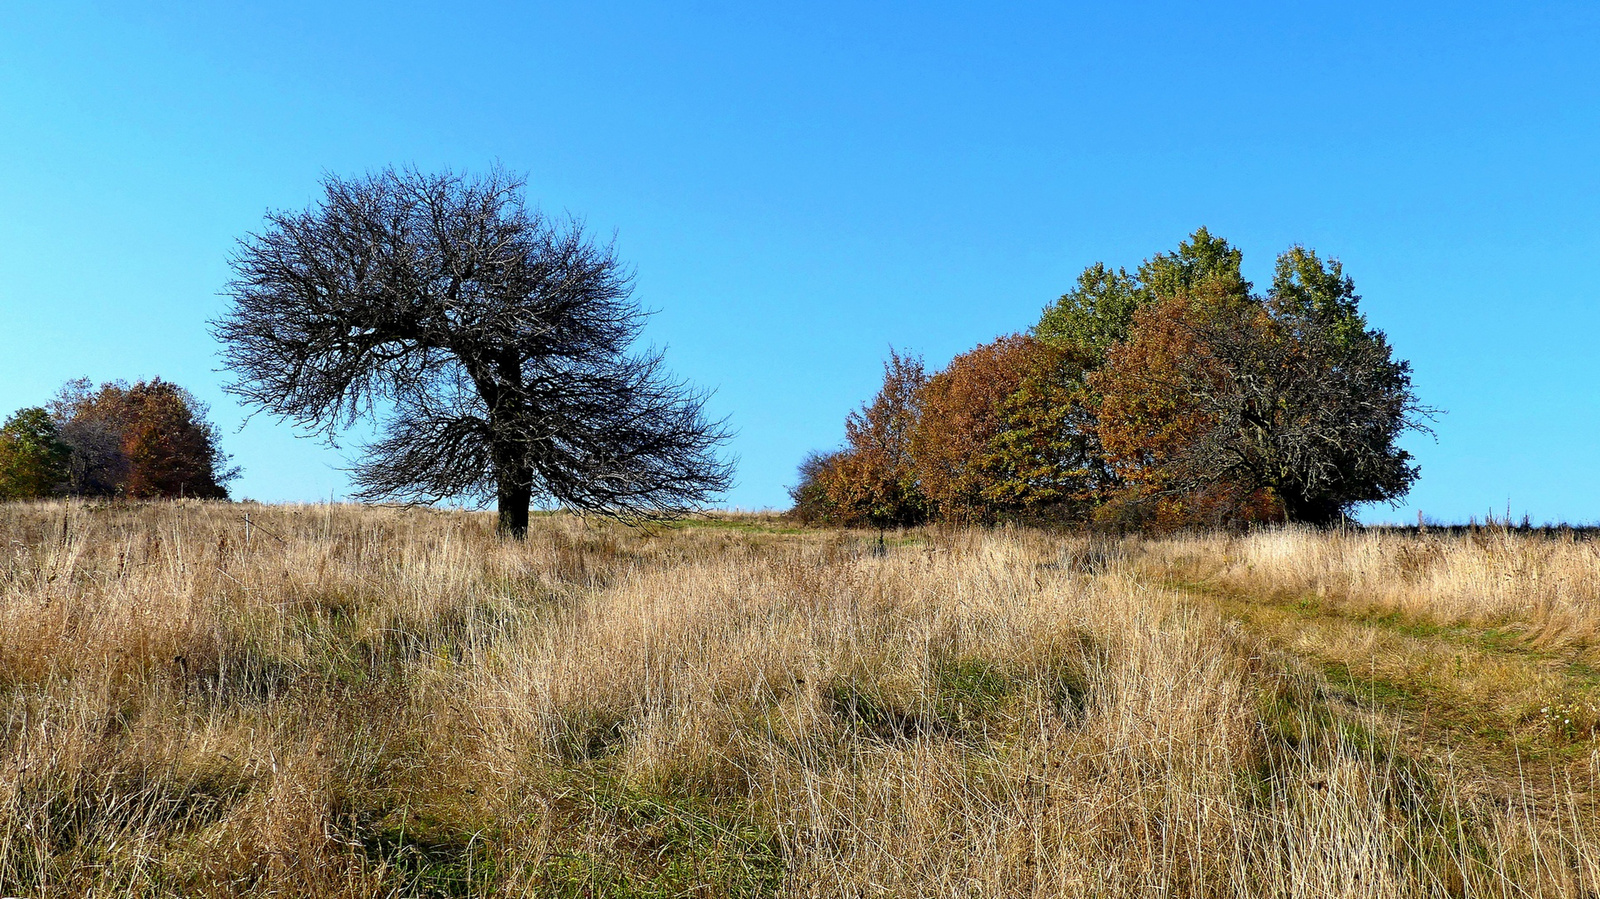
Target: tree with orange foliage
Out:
[872,481]
[145,441]
[170,453]
[962,412]
[1172,397]
[1006,429]
[1223,406]
[1163,392]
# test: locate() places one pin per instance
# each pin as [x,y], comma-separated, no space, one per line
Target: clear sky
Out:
[801,186]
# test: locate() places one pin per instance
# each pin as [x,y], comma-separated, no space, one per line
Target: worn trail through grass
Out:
[1485,699]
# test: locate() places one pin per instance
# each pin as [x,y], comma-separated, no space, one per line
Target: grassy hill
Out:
[365,702]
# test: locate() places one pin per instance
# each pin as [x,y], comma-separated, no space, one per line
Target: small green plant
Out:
[587,733]
[427,861]
[865,710]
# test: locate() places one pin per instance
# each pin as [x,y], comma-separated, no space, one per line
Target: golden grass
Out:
[1499,630]
[360,702]
[1545,586]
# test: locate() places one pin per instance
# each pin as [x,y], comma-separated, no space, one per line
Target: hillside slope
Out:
[356,702]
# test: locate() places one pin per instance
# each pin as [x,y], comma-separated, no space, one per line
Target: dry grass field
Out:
[384,702]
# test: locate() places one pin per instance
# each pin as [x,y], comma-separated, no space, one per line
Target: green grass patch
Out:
[966,700]
[588,733]
[650,846]
[748,526]
[866,711]
[970,692]
[426,860]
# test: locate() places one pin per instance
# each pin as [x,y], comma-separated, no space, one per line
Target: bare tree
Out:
[494,345]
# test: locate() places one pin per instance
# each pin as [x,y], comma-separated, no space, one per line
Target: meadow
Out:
[349,701]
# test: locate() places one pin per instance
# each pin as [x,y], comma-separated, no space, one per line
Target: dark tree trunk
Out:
[513,501]
[1319,512]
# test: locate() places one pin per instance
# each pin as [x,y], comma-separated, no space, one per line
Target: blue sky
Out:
[801,186]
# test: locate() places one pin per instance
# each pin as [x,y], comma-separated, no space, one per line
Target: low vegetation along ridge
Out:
[339,701]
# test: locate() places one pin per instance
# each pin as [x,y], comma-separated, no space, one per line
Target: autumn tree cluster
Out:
[1173,396]
[147,440]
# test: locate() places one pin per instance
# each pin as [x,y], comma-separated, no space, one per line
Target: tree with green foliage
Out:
[1045,460]
[1340,401]
[1205,263]
[1317,295]
[1098,313]
[33,460]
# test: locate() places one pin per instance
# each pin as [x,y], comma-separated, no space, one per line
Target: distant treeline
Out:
[147,440]
[1173,396]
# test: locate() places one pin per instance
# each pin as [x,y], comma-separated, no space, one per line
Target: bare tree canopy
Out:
[494,346]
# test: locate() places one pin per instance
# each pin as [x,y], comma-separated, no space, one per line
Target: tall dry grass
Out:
[392,702]
[1546,585]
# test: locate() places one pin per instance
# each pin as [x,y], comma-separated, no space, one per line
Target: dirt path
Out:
[1514,720]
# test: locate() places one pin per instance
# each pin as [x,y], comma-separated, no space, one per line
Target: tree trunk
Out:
[513,501]
[1319,512]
